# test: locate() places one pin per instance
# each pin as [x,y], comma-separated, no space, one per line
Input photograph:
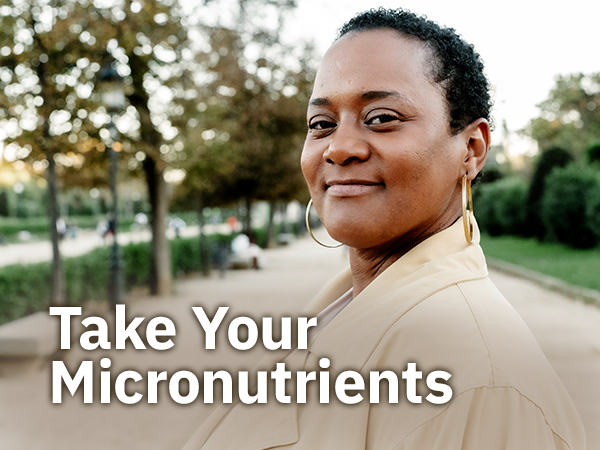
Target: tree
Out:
[151,41]
[46,74]
[253,121]
[58,48]
[547,162]
[51,51]
[570,117]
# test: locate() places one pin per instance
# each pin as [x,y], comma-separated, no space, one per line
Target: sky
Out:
[524,44]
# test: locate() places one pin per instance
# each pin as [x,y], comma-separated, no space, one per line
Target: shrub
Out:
[489,174]
[500,207]
[593,211]
[136,264]
[593,154]
[86,276]
[547,162]
[185,256]
[565,203]
[24,288]
[10,226]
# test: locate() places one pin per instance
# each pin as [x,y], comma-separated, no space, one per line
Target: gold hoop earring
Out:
[467,214]
[307,217]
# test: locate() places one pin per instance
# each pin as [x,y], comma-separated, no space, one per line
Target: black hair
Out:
[456,66]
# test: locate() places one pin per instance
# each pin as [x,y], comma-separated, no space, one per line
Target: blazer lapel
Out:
[441,261]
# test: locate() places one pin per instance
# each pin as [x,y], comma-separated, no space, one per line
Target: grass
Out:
[578,267]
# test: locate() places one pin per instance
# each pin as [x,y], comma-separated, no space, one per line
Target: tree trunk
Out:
[248,217]
[269,233]
[204,253]
[58,286]
[284,226]
[160,253]
[302,219]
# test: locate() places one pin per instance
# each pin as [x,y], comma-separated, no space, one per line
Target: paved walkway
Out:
[86,240]
[569,333]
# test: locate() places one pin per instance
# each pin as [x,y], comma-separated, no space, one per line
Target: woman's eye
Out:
[381,118]
[321,125]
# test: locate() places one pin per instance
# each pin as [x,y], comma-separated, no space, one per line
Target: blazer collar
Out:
[440,261]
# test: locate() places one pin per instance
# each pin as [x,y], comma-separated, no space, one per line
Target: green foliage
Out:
[249,143]
[40,226]
[593,211]
[575,266]
[565,203]
[500,207]
[260,235]
[79,206]
[570,117]
[136,258]
[87,276]
[24,288]
[593,154]
[29,203]
[185,256]
[4,204]
[489,174]
[10,226]
[547,161]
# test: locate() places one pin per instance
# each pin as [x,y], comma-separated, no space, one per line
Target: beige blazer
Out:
[435,307]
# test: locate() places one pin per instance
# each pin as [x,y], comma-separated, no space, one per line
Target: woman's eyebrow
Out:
[375,95]
[367,96]
[319,102]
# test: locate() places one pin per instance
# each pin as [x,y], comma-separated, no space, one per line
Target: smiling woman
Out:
[398,126]
[380,146]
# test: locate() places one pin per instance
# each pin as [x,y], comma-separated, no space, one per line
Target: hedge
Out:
[548,161]
[500,206]
[593,211]
[565,205]
[569,207]
[40,226]
[24,288]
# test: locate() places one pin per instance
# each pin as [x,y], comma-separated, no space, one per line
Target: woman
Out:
[398,128]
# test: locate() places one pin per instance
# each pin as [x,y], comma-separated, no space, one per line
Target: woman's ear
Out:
[477,138]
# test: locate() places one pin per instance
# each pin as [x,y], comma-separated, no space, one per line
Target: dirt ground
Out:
[568,332]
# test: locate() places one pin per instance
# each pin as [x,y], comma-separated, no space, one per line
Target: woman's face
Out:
[380,161]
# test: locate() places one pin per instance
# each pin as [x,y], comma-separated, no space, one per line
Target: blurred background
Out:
[146,120]
[143,141]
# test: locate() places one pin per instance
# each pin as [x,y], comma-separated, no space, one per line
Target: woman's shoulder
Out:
[472,332]
[490,418]
[472,327]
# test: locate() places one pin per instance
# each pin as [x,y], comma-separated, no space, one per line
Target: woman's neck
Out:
[367,264]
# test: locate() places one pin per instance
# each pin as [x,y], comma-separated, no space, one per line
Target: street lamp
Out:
[110,84]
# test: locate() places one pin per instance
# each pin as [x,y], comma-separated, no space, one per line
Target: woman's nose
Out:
[346,145]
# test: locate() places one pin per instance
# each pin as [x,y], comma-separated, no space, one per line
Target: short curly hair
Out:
[457,67]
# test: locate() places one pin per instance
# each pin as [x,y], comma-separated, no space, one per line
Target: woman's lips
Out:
[351,188]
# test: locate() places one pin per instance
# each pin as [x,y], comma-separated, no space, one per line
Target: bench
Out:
[27,343]
[285,238]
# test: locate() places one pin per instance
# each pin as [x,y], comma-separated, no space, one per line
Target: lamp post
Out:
[113,97]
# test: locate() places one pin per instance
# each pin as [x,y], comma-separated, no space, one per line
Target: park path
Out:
[568,331]
[86,240]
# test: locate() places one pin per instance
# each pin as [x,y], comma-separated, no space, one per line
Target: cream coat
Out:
[435,307]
